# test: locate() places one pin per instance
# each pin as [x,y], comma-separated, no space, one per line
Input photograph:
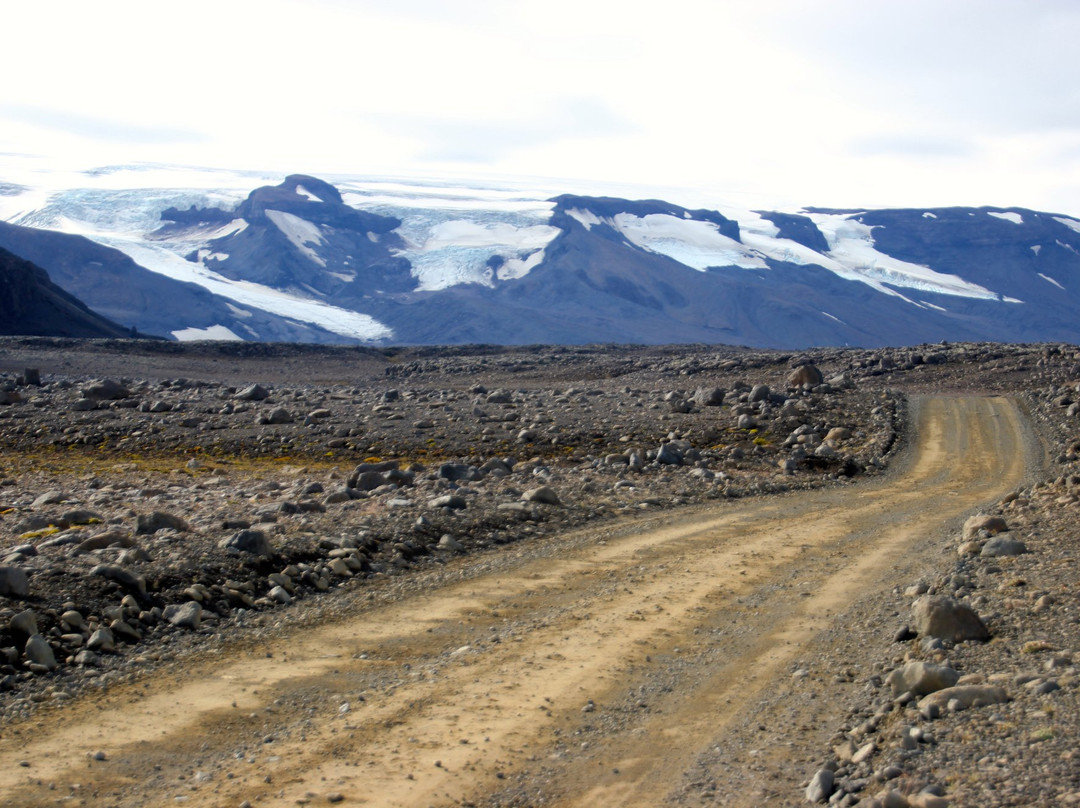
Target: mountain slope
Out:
[32,305]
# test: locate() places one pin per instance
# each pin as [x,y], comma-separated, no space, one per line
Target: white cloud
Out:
[838,102]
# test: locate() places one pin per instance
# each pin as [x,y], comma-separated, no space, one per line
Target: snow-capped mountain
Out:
[377,260]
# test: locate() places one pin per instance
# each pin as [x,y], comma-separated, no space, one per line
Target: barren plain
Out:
[691,576]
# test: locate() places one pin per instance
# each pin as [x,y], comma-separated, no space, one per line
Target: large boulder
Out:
[948,619]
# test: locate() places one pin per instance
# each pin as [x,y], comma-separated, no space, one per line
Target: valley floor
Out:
[654,636]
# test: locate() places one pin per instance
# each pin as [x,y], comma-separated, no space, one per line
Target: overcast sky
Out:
[844,103]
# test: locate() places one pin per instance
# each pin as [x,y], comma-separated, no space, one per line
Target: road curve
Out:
[594,675]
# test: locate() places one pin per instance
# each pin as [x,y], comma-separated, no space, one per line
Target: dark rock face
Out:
[32,305]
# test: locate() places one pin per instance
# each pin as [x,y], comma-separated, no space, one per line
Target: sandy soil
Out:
[599,669]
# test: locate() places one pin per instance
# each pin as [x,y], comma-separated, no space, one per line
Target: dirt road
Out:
[593,672]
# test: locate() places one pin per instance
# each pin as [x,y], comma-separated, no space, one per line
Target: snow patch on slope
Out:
[1072,224]
[214,332]
[1008,216]
[691,242]
[340,321]
[300,232]
[1051,280]
[586,218]
[851,244]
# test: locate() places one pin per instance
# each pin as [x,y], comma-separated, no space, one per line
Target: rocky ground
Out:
[153,497]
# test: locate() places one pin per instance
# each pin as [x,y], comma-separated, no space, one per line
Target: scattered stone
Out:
[821,786]
[127,579]
[948,619]
[14,582]
[981,521]
[160,520]
[921,678]
[966,696]
[184,615]
[39,652]
[1003,545]
[545,495]
[251,541]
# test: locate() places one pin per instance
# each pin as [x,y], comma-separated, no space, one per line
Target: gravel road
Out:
[597,672]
